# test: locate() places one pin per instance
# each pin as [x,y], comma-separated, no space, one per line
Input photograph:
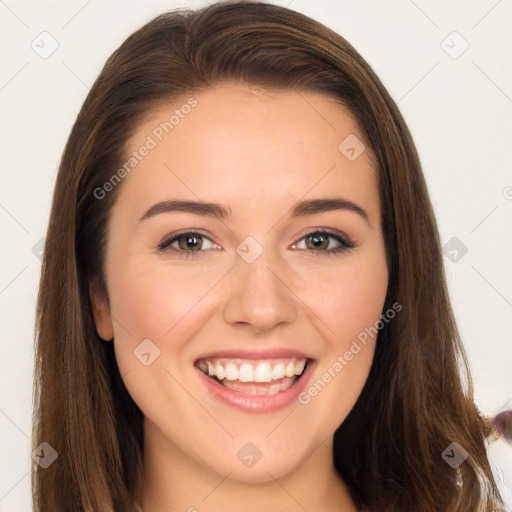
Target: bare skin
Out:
[257,153]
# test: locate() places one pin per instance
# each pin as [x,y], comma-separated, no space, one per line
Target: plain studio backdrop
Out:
[446,64]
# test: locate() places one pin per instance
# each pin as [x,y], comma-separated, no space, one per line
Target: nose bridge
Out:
[258,293]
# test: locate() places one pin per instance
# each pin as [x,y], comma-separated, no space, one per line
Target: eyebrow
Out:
[215,210]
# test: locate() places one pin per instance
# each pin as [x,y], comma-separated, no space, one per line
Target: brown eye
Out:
[319,241]
[189,243]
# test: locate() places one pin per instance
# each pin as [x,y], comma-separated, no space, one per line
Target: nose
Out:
[259,295]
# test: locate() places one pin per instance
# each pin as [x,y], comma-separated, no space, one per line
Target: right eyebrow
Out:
[195,207]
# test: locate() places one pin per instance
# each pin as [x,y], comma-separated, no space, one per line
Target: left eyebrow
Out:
[314,206]
[303,208]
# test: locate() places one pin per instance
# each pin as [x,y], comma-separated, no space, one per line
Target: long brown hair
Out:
[414,404]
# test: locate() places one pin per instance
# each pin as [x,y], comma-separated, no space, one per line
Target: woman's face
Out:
[246,289]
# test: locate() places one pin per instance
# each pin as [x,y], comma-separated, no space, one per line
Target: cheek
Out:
[151,300]
[152,303]
[166,305]
[351,306]
[347,299]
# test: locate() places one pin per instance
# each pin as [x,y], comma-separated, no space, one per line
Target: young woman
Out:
[242,303]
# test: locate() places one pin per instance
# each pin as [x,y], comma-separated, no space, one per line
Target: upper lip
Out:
[256,353]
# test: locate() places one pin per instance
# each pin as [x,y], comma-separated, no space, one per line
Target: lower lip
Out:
[258,403]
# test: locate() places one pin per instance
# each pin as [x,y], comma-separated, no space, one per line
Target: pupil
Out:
[189,243]
[317,240]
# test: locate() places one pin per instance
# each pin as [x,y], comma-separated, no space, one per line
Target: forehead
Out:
[243,142]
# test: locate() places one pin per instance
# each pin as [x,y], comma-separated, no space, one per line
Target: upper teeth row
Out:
[257,372]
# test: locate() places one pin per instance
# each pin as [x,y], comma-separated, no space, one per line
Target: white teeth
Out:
[250,370]
[272,389]
[299,367]
[231,372]
[219,371]
[263,373]
[246,373]
[279,371]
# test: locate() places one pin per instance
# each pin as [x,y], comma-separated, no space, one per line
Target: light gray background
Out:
[459,111]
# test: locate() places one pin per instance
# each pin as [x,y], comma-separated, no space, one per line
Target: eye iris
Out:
[187,239]
[317,241]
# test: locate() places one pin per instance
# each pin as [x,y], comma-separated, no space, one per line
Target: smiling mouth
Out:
[254,377]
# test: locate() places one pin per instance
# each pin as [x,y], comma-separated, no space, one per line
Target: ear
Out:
[101,310]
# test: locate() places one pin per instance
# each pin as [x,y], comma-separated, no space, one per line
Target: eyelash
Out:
[345,242]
